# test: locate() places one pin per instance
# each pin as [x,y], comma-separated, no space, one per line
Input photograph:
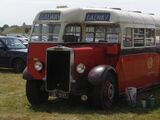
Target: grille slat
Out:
[58,70]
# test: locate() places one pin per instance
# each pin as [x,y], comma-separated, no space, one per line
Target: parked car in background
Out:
[23,40]
[20,37]
[13,54]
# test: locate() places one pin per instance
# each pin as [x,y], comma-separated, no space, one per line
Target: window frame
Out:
[152,36]
[106,32]
[144,38]
[139,36]
[124,34]
[157,36]
[40,33]
[75,25]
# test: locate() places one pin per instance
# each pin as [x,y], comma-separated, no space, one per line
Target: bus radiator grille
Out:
[58,70]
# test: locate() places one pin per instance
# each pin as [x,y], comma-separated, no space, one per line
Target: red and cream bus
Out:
[93,53]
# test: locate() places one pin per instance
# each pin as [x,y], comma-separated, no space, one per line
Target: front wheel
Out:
[34,92]
[104,94]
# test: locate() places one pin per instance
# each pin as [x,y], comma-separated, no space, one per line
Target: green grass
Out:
[14,105]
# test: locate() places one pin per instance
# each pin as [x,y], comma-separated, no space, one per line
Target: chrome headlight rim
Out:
[81,68]
[38,65]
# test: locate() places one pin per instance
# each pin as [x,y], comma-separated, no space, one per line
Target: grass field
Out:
[14,105]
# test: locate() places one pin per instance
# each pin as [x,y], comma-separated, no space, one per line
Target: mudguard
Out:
[27,76]
[97,74]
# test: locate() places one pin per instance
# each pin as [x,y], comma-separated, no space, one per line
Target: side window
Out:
[72,33]
[138,37]
[112,34]
[150,37]
[101,33]
[8,43]
[158,37]
[127,37]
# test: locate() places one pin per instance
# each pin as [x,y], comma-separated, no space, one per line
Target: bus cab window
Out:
[90,33]
[150,37]
[45,32]
[138,37]
[36,35]
[100,34]
[72,33]
[127,37]
[158,37]
[37,28]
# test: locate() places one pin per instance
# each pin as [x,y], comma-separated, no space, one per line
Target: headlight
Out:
[81,68]
[38,66]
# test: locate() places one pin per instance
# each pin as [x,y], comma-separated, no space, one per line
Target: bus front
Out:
[67,49]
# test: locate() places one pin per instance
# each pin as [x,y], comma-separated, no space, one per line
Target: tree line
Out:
[3,28]
[27,28]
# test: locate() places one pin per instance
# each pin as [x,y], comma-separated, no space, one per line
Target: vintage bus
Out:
[91,53]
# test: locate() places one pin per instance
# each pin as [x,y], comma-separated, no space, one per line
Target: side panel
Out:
[139,70]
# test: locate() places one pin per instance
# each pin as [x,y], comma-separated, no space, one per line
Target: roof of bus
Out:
[129,18]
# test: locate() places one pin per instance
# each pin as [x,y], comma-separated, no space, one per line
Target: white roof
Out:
[132,19]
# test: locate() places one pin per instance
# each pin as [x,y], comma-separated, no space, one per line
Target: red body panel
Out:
[36,51]
[138,70]
[133,70]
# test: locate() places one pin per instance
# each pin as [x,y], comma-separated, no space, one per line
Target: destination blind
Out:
[97,17]
[49,16]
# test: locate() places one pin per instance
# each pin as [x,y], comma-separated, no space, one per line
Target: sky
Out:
[15,12]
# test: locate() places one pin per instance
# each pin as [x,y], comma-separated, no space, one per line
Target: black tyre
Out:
[35,93]
[104,94]
[18,65]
